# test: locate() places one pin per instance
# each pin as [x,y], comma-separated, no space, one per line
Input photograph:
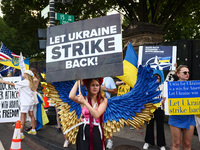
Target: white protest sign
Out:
[9,104]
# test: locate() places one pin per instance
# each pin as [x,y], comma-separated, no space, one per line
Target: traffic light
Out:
[67,1]
[41,37]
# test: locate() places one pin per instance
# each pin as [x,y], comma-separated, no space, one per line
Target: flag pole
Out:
[79,86]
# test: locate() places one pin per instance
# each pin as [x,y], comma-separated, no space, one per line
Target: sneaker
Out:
[59,130]
[22,137]
[162,148]
[146,146]
[32,132]
[66,143]
[109,144]
[132,128]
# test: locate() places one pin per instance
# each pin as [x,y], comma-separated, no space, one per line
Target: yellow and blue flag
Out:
[14,62]
[42,118]
[165,59]
[9,58]
[130,66]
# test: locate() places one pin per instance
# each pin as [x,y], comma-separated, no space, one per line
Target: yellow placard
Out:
[184,106]
[123,89]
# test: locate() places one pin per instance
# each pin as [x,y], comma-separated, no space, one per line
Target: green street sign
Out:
[64,18]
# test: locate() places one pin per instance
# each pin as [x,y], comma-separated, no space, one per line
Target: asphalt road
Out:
[6,136]
[124,140]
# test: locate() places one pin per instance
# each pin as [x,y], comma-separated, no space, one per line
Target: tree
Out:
[23,16]
[186,25]
[178,19]
[7,34]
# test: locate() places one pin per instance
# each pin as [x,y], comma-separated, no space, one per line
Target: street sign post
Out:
[64,18]
[44,12]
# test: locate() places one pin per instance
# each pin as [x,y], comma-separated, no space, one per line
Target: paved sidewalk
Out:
[126,139]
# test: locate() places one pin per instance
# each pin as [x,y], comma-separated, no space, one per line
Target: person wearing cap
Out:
[25,94]
[91,132]
[36,81]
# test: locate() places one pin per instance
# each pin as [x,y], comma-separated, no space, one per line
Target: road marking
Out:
[1,146]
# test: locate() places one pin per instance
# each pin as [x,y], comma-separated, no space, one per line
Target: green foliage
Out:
[24,17]
[179,19]
[7,33]
[186,25]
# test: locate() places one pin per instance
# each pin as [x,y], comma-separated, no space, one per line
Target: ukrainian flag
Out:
[42,118]
[130,66]
[164,59]
[14,62]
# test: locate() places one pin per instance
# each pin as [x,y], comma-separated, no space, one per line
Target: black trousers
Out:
[149,137]
[85,144]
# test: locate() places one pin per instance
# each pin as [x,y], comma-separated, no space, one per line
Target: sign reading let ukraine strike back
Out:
[84,49]
[182,97]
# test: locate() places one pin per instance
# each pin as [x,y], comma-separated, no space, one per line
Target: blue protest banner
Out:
[158,57]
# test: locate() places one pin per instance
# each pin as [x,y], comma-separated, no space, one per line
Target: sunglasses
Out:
[185,72]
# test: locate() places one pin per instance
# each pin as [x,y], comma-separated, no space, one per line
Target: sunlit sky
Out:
[0,10]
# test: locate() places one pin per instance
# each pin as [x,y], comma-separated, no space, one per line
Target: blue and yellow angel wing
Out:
[69,111]
[134,107]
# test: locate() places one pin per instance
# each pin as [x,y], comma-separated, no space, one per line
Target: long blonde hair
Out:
[31,83]
[35,73]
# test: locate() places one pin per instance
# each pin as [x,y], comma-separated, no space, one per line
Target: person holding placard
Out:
[184,123]
[26,91]
[90,135]
[123,88]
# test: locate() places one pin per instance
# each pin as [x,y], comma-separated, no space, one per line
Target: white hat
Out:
[29,72]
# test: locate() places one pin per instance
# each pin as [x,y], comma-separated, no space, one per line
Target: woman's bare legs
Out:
[176,137]
[187,138]
[23,119]
[33,122]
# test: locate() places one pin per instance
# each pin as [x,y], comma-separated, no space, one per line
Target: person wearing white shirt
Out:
[26,97]
[109,87]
